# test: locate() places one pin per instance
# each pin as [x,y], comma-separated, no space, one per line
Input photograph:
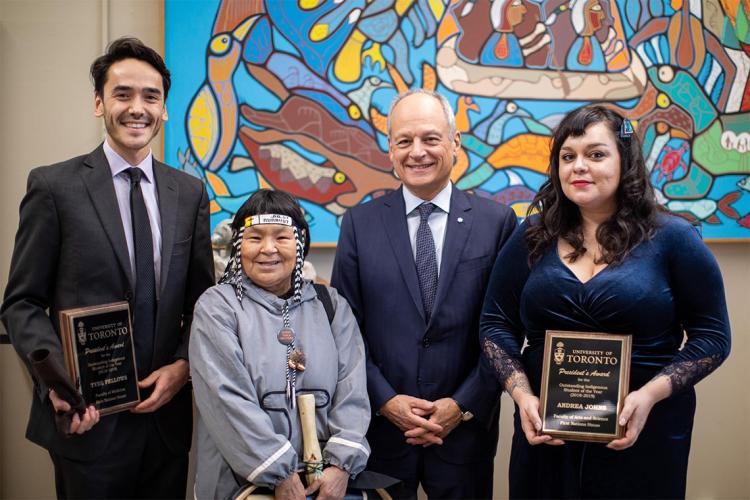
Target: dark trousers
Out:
[438,478]
[136,464]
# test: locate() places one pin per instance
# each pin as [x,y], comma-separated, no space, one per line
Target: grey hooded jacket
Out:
[246,430]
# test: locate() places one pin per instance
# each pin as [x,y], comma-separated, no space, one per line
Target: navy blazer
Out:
[375,270]
[70,251]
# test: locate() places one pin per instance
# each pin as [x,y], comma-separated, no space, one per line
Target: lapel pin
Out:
[460,220]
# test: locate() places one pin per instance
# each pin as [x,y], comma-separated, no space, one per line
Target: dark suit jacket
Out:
[375,270]
[70,251]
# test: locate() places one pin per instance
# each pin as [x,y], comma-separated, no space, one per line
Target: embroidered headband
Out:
[255,220]
[233,273]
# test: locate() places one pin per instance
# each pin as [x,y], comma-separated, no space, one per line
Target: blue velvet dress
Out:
[669,283]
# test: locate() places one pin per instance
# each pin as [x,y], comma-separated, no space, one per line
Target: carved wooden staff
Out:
[311,455]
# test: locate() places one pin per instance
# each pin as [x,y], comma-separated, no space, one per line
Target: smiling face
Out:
[589,170]
[268,254]
[421,146]
[132,106]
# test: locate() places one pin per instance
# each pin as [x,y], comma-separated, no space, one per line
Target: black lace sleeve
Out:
[683,374]
[701,307]
[508,369]
[501,330]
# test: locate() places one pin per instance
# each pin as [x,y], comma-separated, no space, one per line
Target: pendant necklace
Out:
[295,358]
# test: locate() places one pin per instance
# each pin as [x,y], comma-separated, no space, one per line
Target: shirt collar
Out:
[442,200]
[117,164]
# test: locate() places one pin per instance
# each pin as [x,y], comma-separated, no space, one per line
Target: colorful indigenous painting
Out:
[293,95]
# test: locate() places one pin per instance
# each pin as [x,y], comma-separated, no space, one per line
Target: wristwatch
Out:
[466,415]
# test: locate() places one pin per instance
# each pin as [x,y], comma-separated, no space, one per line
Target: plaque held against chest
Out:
[585,378]
[99,355]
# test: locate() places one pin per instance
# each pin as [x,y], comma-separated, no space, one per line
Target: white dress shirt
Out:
[118,165]
[438,220]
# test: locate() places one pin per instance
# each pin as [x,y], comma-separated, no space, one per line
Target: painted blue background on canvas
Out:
[294,94]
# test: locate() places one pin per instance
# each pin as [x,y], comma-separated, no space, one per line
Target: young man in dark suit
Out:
[414,265]
[115,225]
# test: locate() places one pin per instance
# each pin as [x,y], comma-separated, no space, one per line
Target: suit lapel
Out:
[394,219]
[98,180]
[458,228]
[166,187]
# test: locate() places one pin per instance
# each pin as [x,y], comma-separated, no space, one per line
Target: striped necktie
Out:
[426,260]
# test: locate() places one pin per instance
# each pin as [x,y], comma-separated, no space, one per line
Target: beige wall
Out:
[46,102]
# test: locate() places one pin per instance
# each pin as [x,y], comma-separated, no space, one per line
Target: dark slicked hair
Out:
[266,201]
[128,48]
[634,220]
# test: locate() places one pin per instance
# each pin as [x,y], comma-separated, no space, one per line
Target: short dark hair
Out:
[128,48]
[267,201]
[635,217]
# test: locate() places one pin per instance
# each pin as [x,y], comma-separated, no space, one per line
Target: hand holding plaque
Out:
[584,382]
[99,355]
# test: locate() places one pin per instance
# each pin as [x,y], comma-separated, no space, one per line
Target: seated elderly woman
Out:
[258,338]
[601,256]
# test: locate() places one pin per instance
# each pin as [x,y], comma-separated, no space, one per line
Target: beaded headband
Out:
[233,273]
[254,220]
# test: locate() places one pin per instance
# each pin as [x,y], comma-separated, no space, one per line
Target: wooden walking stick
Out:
[311,455]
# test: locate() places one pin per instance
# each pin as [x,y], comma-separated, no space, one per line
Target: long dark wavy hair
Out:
[634,220]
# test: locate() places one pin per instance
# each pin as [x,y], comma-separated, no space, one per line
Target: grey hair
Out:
[450,117]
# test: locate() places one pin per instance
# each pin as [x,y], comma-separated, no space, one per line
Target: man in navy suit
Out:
[413,265]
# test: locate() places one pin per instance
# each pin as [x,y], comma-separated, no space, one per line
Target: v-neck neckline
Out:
[572,273]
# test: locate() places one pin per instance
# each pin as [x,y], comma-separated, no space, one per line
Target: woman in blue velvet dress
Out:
[602,257]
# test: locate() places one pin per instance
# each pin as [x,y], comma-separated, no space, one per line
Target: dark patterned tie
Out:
[145,281]
[427,269]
